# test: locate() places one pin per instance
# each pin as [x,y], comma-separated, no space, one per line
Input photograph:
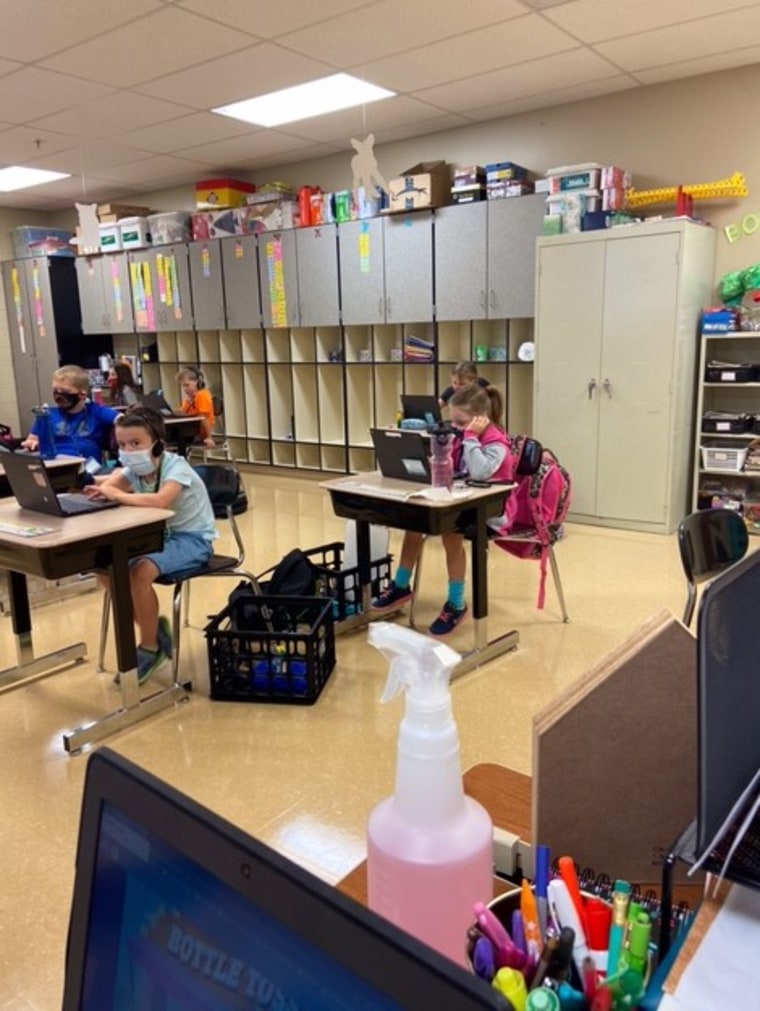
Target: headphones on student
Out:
[153,422]
[198,376]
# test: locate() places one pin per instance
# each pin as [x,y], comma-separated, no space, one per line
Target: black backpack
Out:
[295,575]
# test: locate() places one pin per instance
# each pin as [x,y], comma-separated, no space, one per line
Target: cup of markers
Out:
[549,946]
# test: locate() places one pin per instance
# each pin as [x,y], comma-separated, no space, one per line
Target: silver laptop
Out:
[30,482]
[403,455]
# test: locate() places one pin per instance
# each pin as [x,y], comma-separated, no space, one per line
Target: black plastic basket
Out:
[271,649]
[343,584]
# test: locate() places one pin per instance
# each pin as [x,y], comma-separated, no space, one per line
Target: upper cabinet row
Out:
[472,261]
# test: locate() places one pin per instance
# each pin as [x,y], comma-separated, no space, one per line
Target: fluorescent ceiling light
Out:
[16,177]
[340,91]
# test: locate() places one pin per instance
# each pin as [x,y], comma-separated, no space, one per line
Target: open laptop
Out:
[30,482]
[422,406]
[403,455]
[158,402]
[175,908]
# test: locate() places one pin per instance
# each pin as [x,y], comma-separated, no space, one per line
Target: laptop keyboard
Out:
[73,503]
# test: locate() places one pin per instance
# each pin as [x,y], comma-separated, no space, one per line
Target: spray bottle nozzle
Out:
[418,664]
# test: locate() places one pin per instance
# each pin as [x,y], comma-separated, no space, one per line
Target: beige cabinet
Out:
[617,316]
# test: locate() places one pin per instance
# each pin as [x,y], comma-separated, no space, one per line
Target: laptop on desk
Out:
[175,908]
[403,455]
[422,406]
[30,482]
[156,400]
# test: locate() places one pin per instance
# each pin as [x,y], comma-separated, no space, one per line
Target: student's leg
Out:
[454,608]
[399,590]
[142,575]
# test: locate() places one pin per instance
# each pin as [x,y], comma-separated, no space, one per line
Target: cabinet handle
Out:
[388,309]
[607,386]
[591,386]
[482,299]
[380,307]
[492,299]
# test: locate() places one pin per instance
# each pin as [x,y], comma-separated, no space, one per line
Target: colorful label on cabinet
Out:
[276,279]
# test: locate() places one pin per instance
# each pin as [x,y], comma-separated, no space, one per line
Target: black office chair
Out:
[223,484]
[709,540]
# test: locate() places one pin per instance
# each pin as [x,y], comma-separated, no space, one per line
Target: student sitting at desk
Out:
[80,427]
[197,400]
[122,385]
[480,453]
[150,476]
[463,374]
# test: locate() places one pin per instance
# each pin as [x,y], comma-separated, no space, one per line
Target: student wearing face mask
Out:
[80,427]
[151,476]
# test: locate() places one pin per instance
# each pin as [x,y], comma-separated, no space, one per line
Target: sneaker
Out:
[148,662]
[392,597]
[448,619]
[165,636]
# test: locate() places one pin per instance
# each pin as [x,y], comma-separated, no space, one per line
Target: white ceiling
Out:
[118,93]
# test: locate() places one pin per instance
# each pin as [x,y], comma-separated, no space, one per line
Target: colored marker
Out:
[507,954]
[530,920]
[562,957]
[483,959]
[566,868]
[620,895]
[542,856]
[548,953]
[511,983]
[564,909]
[638,942]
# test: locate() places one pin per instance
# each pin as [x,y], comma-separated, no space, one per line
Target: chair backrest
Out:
[218,405]
[710,540]
[224,488]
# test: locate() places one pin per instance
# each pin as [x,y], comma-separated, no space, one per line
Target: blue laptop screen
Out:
[164,934]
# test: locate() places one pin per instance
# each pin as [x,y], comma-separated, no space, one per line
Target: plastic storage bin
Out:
[343,584]
[169,226]
[731,372]
[135,233]
[721,421]
[271,649]
[33,240]
[723,458]
[110,238]
[212,194]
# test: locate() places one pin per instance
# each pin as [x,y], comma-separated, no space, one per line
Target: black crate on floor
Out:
[343,584]
[271,649]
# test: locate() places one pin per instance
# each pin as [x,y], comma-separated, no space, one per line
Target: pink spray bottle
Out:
[429,847]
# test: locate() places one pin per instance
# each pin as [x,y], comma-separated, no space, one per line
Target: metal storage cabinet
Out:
[160,285]
[317,267]
[104,294]
[241,282]
[409,267]
[461,261]
[279,279]
[362,271]
[513,226]
[616,321]
[205,260]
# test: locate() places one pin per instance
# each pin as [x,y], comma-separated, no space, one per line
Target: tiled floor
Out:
[303,779]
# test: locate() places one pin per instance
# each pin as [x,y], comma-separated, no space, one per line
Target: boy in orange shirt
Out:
[197,400]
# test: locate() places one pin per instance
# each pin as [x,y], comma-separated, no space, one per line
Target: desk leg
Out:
[363,617]
[133,708]
[27,667]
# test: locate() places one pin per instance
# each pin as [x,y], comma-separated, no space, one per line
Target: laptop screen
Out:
[176,909]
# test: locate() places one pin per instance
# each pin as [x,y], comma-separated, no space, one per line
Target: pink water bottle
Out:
[442,458]
[429,847]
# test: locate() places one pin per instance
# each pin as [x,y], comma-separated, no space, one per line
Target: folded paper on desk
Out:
[614,756]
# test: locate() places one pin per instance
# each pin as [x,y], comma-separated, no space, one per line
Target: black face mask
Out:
[65,401]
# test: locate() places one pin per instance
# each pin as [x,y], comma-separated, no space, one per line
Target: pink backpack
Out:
[536,510]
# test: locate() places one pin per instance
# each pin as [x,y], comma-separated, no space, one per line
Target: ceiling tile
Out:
[594,20]
[156,45]
[394,26]
[254,71]
[32,93]
[34,29]
[89,157]
[534,78]
[685,41]
[269,19]
[8,66]
[175,134]
[550,99]
[502,45]
[690,68]
[97,119]
[158,170]
[20,144]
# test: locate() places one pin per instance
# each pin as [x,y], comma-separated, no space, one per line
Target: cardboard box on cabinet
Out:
[421,186]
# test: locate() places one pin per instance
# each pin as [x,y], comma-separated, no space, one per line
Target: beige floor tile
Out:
[303,779]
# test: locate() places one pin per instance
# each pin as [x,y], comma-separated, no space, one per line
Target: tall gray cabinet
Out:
[617,315]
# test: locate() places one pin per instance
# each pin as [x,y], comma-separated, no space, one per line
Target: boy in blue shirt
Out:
[80,427]
[150,476]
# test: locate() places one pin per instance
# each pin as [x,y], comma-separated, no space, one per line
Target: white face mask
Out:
[140,462]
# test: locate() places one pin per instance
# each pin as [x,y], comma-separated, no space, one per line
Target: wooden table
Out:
[103,540]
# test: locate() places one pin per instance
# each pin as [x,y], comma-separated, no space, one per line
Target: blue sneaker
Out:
[392,597]
[148,662]
[165,636]
[448,619]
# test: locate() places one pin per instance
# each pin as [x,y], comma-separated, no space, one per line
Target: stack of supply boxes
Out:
[581,197]
[123,226]
[216,201]
[506,179]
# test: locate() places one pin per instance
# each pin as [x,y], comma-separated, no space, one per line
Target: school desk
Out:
[372,498]
[182,429]
[73,544]
[63,473]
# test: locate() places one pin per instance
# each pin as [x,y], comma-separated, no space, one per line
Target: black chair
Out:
[227,499]
[709,540]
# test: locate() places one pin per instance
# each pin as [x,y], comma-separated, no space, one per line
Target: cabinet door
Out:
[513,226]
[460,261]
[43,314]
[205,259]
[118,299]
[241,283]
[409,267]
[92,296]
[171,283]
[568,352]
[317,263]
[636,377]
[362,271]
[279,279]
[28,392]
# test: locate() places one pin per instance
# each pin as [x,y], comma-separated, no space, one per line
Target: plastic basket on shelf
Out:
[271,649]
[723,458]
[343,584]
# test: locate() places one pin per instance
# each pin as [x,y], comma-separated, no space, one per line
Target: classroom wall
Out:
[696,130]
